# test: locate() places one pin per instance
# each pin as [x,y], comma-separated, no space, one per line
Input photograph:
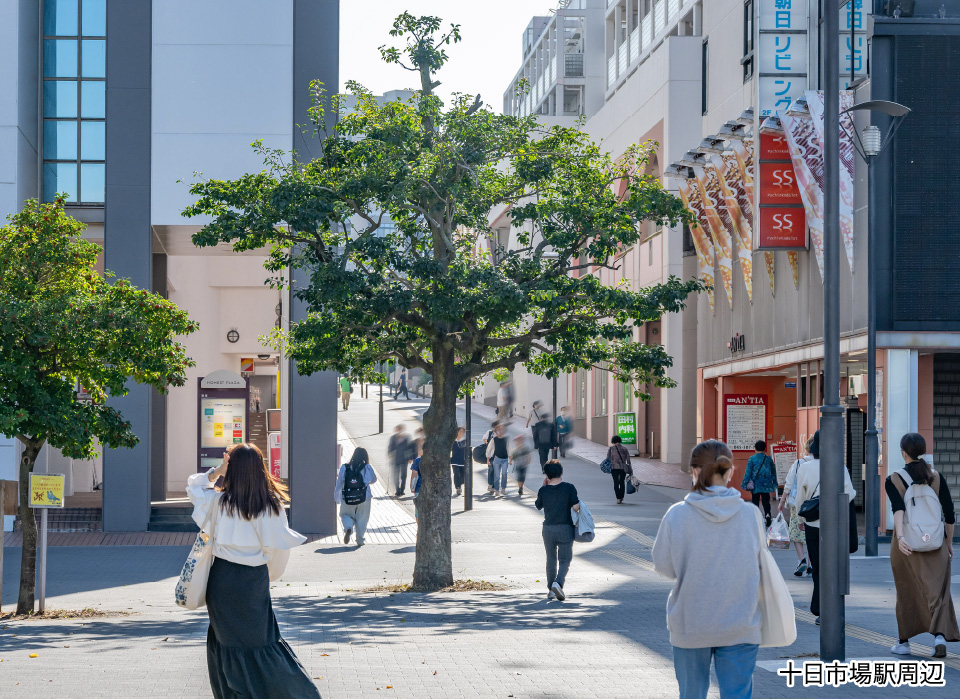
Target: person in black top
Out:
[545,437]
[922,579]
[498,455]
[555,499]
[458,458]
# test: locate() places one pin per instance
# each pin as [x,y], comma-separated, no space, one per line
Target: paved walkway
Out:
[607,640]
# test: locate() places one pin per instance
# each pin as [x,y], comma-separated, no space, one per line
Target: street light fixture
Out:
[870,144]
[675,170]
[692,159]
[733,131]
[711,144]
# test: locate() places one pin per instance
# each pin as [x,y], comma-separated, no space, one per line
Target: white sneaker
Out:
[558,591]
[901,648]
[550,595]
[939,647]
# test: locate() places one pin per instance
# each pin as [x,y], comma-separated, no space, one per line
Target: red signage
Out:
[273,440]
[774,147]
[782,227]
[744,420]
[778,184]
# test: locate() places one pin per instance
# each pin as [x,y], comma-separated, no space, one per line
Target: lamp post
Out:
[380,370]
[468,457]
[870,145]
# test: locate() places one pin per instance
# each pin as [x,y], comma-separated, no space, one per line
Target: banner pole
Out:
[43,558]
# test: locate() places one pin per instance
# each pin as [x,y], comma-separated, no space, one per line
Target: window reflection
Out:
[92,182]
[60,177]
[60,58]
[94,58]
[60,17]
[60,140]
[91,140]
[94,18]
[93,99]
[60,98]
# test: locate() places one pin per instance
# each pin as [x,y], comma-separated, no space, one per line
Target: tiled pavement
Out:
[607,640]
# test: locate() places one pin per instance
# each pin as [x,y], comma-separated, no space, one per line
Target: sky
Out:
[484,62]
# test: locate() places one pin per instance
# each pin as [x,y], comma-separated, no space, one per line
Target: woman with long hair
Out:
[352,494]
[922,579]
[712,529]
[246,657]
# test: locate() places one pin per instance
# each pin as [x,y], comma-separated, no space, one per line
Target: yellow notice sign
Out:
[218,430]
[46,490]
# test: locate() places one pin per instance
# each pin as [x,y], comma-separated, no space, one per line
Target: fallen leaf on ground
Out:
[33,656]
[434,673]
[389,686]
[324,654]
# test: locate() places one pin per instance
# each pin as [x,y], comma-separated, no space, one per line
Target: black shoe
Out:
[346,536]
[817,623]
[801,567]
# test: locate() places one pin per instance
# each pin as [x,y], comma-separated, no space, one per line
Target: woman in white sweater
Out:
[712,529]
[246,657]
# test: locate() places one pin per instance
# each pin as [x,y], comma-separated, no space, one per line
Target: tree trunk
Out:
[434,565]
[28,521]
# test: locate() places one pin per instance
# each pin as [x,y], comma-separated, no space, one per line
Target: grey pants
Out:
[355,518]
[558,541]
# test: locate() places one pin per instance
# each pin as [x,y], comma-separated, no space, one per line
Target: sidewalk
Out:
[607,640]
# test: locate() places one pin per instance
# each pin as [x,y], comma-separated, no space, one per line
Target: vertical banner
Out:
[815,103]
[734,195]
[794,259]
[712,203]
[808,166]
[780,222]
[768,262]
[781,54]
[690,194]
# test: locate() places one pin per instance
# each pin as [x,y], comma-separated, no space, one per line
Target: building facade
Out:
[122,104]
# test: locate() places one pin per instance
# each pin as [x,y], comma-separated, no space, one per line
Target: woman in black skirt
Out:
[246,656]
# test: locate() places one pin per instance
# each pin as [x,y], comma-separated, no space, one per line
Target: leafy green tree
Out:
[63,325]
[430,292]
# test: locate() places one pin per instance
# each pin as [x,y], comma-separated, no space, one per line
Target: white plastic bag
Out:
[778,534]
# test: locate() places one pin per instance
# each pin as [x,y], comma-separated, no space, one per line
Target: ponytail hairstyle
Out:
[711,457]
[915,447]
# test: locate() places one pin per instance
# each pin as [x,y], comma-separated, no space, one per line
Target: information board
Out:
[46,490]
[784,455]
[745,420]
[626,427]
[223,422]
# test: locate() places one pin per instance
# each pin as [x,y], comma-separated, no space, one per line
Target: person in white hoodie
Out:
[712,529]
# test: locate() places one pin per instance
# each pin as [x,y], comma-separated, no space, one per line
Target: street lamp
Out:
[870,144]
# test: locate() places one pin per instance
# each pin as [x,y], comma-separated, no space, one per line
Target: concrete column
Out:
[900,409]
[128,241]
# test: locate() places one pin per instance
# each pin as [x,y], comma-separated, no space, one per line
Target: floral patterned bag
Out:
[191,590]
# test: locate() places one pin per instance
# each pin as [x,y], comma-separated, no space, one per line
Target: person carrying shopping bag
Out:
[760,479]
[620,467]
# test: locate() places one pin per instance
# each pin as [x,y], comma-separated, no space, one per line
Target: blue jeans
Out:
[734,666]
[499,465]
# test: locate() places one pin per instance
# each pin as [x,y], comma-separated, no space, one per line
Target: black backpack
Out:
[354,489]
[544,434]
[480,453]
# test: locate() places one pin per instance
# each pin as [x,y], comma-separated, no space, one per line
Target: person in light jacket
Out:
[355,517]
[788,504]
[713,529]
[246,656]
[808,486]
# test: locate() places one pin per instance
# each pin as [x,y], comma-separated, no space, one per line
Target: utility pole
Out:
[468,458]
[555,411]
[834,553]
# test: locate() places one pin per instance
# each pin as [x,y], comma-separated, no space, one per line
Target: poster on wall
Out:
[745,420]
[222,405]
[784,455]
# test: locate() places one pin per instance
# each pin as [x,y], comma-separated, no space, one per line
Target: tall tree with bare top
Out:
[421,293]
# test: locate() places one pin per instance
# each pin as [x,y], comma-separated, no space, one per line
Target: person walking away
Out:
[544,437]
[760,479]
[415,484]
[923,512]
[503,402]
[788,504]
[712,529]
[402,386]
[352,493]
[398,451]
[520,459]
[487,436]
[246,656]
[808,486]
[345,391]
[621,468]
[499,459]
[458,459]
[534,415]
[555,498]
[564,428]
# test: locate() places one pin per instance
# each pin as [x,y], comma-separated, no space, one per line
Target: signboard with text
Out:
[222,406]
[781,223]
[782,53]
[46,490]
[745,420]
[626,427]
[784,455]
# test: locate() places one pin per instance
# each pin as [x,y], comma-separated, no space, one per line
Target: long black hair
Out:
[248,487]
[915,446]
[359,459]
[814,448]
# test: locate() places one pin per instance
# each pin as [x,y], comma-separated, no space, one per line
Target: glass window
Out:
[94,58]
[94,18]
[92,182]
[60,177]
[60,17]
[93,99]
[60,58]
[92,135]
[60,98]
[59,140]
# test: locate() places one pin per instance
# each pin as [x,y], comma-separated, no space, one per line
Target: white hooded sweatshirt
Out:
[710,544]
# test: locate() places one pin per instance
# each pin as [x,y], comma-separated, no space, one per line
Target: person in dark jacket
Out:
[545,437]
[620,466]
[458,458]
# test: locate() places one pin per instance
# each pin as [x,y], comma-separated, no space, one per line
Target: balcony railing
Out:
[634,44]
[674,8]
[660,15]
[646,31]
[622,58]
[611,70]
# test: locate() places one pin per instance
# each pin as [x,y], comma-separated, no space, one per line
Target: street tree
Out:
[428,291]
[64,326]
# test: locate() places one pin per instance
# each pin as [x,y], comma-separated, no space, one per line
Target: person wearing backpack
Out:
[544,437]
[920,555]
[352,494]
[760,479]
[808,488]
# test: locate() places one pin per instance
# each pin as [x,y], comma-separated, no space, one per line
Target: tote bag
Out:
[191,589]
[778,627]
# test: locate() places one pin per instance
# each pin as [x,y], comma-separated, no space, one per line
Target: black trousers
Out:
[765,497]
[544,455]
[813,556]
[619,483]
[402,389]
[563,444]
[457,476]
